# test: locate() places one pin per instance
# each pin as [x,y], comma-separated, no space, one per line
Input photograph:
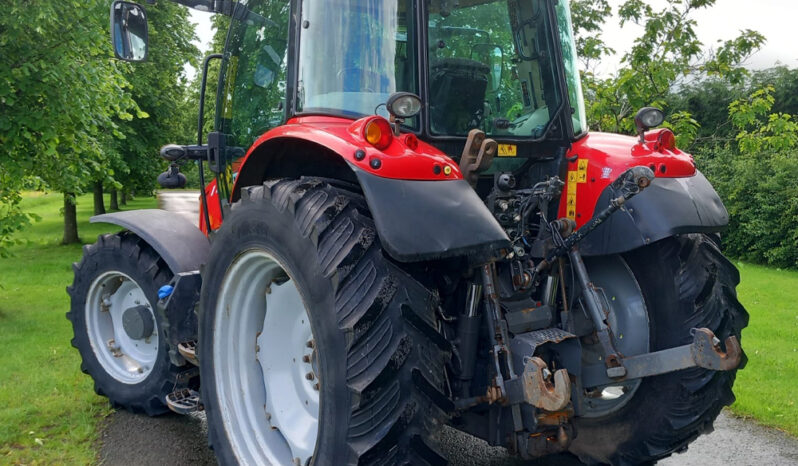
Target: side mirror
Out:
[129,31]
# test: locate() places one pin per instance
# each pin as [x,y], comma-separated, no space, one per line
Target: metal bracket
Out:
[477,155]
[704,352]
[540,391]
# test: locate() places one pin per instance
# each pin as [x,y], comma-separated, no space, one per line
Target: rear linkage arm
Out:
[533,386]
[536,385]
[703,352]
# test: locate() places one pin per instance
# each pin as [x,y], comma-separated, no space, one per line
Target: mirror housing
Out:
[129,31]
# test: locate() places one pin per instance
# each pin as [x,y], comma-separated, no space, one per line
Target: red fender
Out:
[345,138]
[597,159]
[405,158]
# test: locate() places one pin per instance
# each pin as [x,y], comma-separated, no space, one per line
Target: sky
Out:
[775,19]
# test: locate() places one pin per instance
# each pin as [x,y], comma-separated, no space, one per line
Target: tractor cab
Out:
[505,67]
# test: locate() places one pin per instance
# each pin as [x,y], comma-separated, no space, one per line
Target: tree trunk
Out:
[114,199]
[99,203]
[70,220]
[124,196]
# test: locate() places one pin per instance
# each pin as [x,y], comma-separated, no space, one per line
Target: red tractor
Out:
[410,226]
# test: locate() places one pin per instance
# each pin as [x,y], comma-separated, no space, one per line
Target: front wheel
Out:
[686,283]
[313,347]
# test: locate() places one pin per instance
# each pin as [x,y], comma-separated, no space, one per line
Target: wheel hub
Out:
[138,322]
[121,327]
[628,319]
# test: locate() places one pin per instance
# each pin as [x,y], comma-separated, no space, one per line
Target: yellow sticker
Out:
[572,201]
[572,180]
[570,206]
[507,150]
[582,172]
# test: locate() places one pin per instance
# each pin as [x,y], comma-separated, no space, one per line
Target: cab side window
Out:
[253,97]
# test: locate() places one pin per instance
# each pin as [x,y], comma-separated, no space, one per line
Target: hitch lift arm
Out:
[703,352]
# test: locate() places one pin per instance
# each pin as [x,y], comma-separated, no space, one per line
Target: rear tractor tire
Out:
[313,347]
[117,329]
[686,283]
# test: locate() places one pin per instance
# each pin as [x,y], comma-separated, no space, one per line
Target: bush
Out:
[756,176]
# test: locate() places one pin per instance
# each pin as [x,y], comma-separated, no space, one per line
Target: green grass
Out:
[766,388]
[50,414]
[48,410]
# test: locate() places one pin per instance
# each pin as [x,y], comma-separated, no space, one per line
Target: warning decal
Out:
[575,178]
[507,150]
[582,171]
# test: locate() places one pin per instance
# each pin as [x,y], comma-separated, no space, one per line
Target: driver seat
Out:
[457,95]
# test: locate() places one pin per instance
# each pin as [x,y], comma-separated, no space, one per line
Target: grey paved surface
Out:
[175,440]
[184,203]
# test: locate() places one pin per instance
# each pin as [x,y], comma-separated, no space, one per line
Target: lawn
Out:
[48,411]
[766,389]
[50,414]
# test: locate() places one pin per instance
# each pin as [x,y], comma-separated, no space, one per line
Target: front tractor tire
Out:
[313,347]
[117,329]
[686,283]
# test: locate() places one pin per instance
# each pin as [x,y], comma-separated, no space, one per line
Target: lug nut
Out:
[306,358]
[316,386]
[310,344]
[310,376]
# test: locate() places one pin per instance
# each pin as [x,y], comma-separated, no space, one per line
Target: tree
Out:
[68,110]
[755,173]
[667,54]
[59,92]
[159,88]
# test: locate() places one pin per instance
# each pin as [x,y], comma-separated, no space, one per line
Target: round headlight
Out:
[649,117]
[403,104]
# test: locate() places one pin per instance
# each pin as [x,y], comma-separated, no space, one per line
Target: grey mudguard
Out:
[668,207]
[424,220]
[179,242]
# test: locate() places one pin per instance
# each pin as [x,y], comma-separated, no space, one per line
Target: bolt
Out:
[310,376]
[310,344]
[546,373]
[306,358]
[316,386]
[715,341]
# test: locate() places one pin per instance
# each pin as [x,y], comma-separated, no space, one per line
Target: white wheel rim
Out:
[265,368]
[126,359]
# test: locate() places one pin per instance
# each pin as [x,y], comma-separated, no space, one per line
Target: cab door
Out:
[252,84]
